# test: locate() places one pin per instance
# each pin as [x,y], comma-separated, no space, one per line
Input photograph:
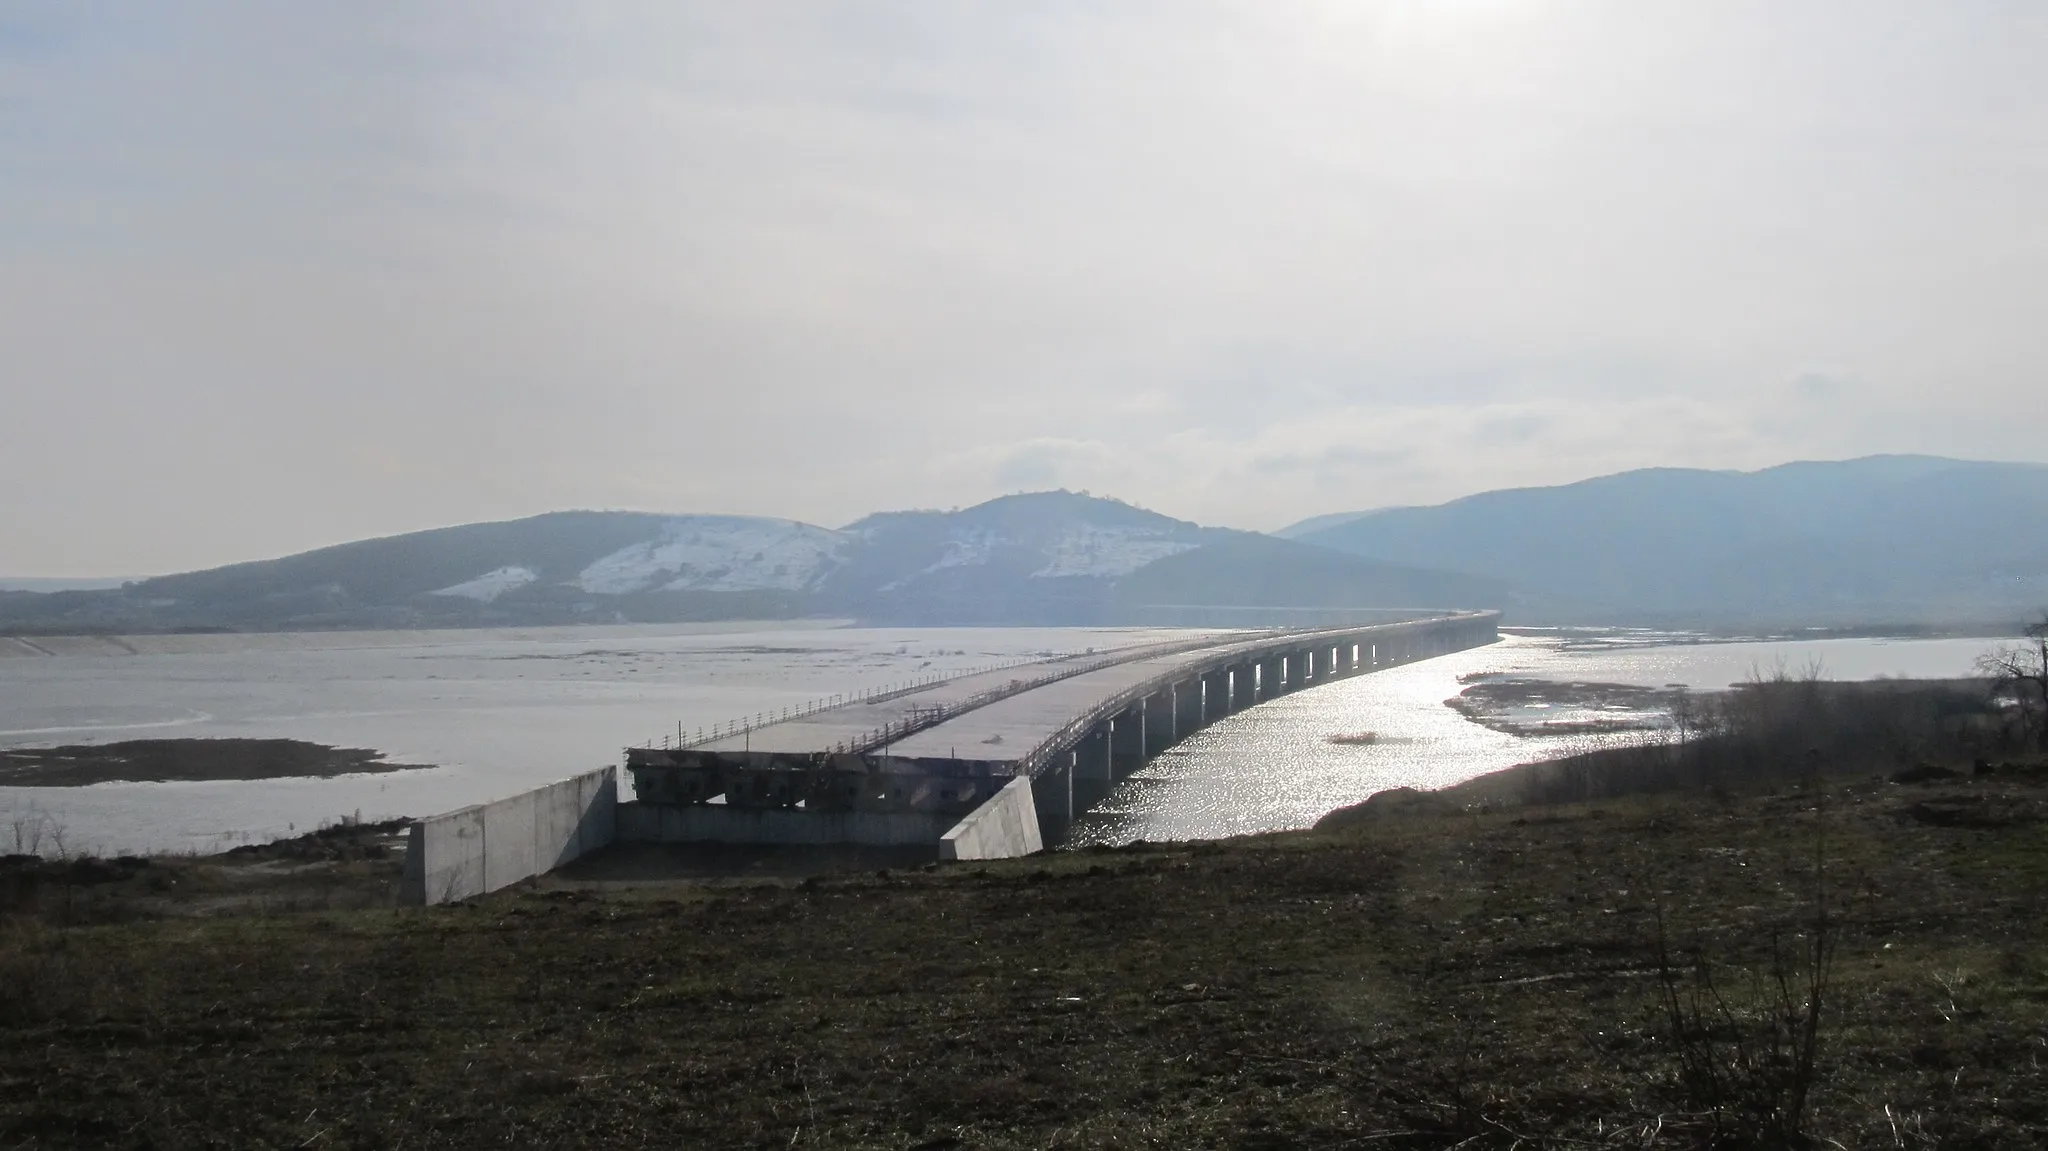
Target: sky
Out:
[279,276]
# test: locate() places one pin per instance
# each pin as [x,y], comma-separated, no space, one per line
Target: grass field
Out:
[1422,974]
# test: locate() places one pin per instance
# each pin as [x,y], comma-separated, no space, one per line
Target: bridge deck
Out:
[1008,729]
[849,725]
[909,765]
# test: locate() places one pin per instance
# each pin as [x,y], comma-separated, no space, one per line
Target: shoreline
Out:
[39,645]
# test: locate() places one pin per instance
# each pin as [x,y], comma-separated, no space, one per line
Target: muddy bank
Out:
[1522,706]
[186,760]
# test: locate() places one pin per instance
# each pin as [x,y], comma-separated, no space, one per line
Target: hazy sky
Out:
[280,275]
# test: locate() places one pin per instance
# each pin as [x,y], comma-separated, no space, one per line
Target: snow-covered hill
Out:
[719,553]
[491,584]
[1048,557]
[1091,550]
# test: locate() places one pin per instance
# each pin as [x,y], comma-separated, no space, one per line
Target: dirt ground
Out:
[1420,974]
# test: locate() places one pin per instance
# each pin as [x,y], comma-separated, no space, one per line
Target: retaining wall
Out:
[1003,828]
[724,823]
[494,845]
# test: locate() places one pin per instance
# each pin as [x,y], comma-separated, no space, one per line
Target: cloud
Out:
[272,277]
[1049,463]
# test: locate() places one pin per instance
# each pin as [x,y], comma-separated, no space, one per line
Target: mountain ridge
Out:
[1899,538]
[1879,540]
[1051,557]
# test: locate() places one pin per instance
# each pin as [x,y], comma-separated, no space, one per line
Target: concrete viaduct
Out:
[1000,762]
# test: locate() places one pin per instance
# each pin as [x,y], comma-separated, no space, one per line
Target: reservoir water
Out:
[500,711]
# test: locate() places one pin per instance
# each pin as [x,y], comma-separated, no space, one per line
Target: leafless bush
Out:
[33,831]
[2019,674]
[1749,1066]
[1780,727]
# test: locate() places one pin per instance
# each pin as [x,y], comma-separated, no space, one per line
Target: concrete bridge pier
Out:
[1273,677]
[1052,794]
[1127,741]
[1188,712]
[1215,696]
[1244,686]
[1162,720]
[1092,774]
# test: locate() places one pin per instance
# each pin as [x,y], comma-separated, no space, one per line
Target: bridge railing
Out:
[1071,732]
[682,739]
[1253,646]
[1071,664]
[894,730]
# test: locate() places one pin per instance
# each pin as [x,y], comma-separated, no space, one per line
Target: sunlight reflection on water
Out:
[1273,768]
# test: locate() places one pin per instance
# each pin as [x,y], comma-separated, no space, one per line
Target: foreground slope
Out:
[1427,977]
[1886,538]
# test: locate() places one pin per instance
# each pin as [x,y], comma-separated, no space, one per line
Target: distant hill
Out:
[1051,556]
[1295,531]
[1248,568]
[1044,558]
[55,583]
[1879,539]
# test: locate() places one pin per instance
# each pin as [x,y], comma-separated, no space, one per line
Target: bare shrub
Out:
[2019,674]
[1749,1065]
[1776,727]
[33,831]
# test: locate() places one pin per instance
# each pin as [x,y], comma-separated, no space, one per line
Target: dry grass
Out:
[1425,976]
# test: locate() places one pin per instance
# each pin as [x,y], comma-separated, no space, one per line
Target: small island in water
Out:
[186,761]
